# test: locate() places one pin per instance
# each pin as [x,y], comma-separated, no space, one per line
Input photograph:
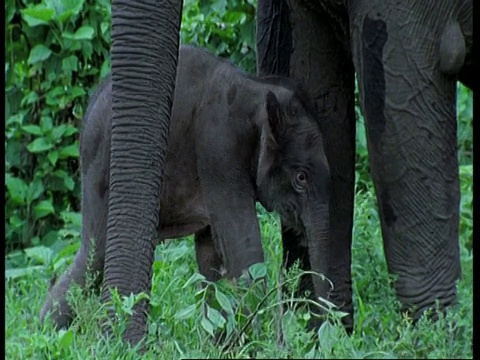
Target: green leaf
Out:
[69,151]
[43,208]
[53,157]
[186,312]
[84,33]
[38,15]
[16,119]
[215,317]
[9,10]
[70,130]
[39,145]
[70,63]
[207,325]
[77,91]
[66,338]
[40,254]
[39,53]
[46,123]
[68,251]
[64,9]
[35,189]
[17,188]
[258,271]
[58,131]
[223,301]
[193,280]
[67,179]
[327,336]
[32,129]
[18,273]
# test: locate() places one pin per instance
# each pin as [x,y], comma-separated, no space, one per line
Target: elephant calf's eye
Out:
[300,181]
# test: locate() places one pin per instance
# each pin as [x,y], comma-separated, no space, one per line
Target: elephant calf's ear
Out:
[269,137]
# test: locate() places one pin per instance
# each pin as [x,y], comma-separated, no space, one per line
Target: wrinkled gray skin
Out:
[408,56]
[234,140]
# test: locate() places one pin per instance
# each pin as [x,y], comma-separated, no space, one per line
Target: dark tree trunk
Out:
[145,40]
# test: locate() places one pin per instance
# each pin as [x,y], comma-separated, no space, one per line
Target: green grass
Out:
[178,325]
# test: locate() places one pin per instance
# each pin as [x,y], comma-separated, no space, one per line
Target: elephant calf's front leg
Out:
[209,260]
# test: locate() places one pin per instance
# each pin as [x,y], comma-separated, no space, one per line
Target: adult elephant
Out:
[407,56]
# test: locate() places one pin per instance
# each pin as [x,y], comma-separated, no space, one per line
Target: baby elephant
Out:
[234,139]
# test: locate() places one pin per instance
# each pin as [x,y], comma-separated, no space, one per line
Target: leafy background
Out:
[55,53]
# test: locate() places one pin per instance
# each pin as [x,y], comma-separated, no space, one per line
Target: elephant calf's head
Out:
[293,174]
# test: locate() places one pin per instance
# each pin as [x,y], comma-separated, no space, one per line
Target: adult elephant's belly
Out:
[182,209]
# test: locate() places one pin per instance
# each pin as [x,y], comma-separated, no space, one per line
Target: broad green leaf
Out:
[30,98]
[37,15]
[32,129]
[18,273]
[58,131]
[46,123]
[207,325]
[66,338]
[193,280]
[258,271]
[327,336]
[83,33]
[16,119]
[77,91]
[53,157]
[69,151]
[186,312]
[67,179]
[9,10]
[17,189]
[35,189]
[41,254]
[223,301]
[64,9]
[70,63]
[68,251]
[39,145]
[39,53]
[72,217]
[70,130]
[43,208]
[215,317]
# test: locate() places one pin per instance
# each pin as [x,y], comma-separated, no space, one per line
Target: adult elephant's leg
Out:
[409,108]
[318,54]
[209,260]
[145,37]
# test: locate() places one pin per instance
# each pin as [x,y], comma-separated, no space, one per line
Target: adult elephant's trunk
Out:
[317,231]
[144,52]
